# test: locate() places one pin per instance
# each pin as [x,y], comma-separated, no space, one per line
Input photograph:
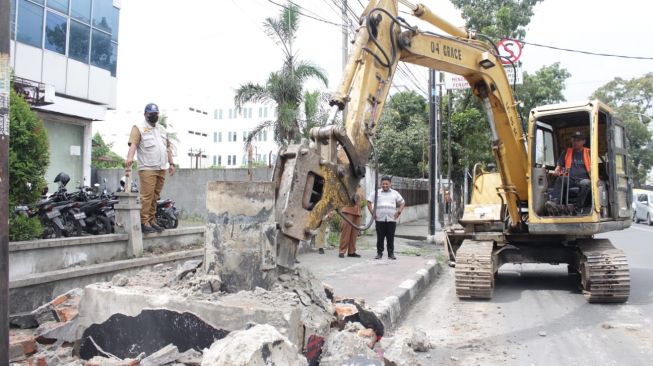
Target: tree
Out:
[102,156]
[285,86]
[29,157]
[402,137]
[632,100]
[543,87]
[497,18]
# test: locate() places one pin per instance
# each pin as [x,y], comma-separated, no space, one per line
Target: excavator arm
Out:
[318,176]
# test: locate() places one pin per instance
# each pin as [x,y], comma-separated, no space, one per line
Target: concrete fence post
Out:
[128,220]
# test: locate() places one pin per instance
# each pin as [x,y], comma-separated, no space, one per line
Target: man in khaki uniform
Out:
[154,154]
[349,234]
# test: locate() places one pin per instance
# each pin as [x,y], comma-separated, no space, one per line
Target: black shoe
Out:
[156,227]
[147,229]
[378,256]
[320,250]
[341,255]
[392,257]
[354,255]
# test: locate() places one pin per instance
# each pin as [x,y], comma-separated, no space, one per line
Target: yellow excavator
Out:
[511,217]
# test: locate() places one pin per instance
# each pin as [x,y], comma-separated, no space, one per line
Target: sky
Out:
[196,52]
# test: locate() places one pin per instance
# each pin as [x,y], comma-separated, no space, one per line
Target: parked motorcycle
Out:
[167,215]
[72,217]
[98,208]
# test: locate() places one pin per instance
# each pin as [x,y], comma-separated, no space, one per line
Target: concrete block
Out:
[229,312]
[241,246]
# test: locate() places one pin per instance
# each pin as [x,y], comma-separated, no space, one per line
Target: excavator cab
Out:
[558,204]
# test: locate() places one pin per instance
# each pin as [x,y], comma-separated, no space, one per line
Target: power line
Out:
[586,52]
[306,15]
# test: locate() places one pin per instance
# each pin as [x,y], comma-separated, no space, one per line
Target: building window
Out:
[265,135]
[219,136]
[101,49]
[245,134]
[260,112]
[215,137]
[220,114]
[105,17]
[215,159]
[231,160]
[60,5]
[30,23]
[231,113]
[233,136]
[265,112]
[244,160]
[55,32]
[80,36]
[219,160]
[81,10]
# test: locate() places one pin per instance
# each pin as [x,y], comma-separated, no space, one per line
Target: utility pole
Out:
[434,225]
[449,158]
[4,181]
[439,152]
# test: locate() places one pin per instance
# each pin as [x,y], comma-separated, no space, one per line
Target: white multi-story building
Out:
[203,137]
[64,57]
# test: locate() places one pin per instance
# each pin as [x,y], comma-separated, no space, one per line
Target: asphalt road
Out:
[539,317]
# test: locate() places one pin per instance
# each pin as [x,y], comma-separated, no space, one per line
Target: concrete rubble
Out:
[298,320]
[259,345]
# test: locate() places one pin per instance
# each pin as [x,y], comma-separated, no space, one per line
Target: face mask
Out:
[152,118]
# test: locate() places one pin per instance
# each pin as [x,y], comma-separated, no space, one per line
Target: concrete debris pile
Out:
[177,315]
[46,335]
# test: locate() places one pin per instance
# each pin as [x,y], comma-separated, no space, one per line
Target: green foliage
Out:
[285,86]
[102,156]
[497,18]
[24,228]
[29,157]
[543,87]
[29,153]
[402,138]
[216,167]
[632,100]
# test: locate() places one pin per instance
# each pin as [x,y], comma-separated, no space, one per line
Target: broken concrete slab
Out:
[241,241]
[51,332]
[228,312]
[25,320]
[165,355]
[396,352]
[259,345]
[341,346]
[61,309]
[188,267]
[147,332]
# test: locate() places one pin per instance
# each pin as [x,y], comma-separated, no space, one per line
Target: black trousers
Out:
[385,230]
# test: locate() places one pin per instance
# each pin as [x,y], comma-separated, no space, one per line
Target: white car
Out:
[643,207]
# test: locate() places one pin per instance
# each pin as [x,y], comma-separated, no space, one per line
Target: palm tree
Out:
[285,86]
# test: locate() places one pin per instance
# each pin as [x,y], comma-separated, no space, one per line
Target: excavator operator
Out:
[572,170]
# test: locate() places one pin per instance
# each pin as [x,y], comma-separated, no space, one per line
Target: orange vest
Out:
[586,158]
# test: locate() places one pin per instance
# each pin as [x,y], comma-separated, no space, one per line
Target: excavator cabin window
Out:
[561,180]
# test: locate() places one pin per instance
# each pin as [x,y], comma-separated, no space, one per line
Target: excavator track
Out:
[605,277]
[474,270]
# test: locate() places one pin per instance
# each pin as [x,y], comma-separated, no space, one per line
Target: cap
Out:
[151,108]
[578,135]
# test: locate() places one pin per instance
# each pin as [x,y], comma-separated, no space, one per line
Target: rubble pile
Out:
[298,321]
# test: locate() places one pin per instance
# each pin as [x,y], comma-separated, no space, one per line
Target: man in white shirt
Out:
[389,206]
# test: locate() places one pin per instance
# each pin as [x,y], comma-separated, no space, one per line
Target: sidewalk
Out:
[387,286]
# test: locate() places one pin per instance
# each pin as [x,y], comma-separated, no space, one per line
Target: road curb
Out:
[390,309]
